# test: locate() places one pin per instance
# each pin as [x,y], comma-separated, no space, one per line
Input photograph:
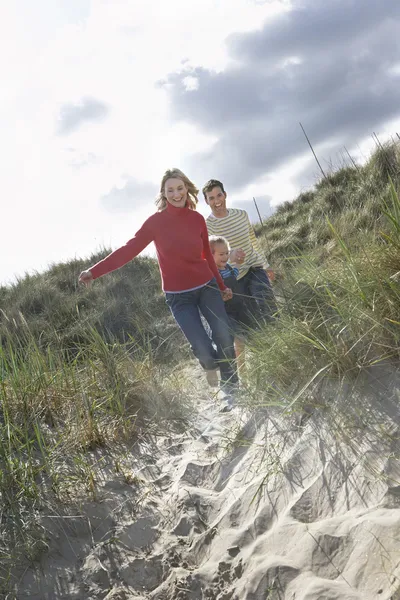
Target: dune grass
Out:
[55,413]
[125,304]
[337,253]
[81,372]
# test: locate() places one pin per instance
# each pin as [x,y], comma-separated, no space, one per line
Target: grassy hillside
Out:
[88,371]
[353,199]
[336,249]
[58,312]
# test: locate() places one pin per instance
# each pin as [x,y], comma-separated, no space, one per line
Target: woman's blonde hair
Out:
[161,201]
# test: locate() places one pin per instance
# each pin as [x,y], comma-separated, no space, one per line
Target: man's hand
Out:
[271,274]
[226,294]
[237,256]
[85,278]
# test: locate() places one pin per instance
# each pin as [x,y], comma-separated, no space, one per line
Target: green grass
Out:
[95,382]
[337,253]
[127,303]
[55,415]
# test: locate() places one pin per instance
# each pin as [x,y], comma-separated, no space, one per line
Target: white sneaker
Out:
[212,377]
[226,407]
[229,400]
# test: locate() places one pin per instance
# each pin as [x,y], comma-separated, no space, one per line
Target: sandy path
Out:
[242,507]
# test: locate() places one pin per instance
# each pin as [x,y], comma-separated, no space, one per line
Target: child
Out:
[235,307]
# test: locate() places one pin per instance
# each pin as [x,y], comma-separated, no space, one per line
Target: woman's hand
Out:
[85,278]
[226,294]
[237,256]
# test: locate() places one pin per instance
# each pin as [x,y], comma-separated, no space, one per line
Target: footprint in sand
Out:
[198,474]
[139,534]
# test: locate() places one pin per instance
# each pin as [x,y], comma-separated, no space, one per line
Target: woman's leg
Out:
[213,310]
[184,307]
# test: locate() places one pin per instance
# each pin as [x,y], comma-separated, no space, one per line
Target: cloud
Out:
[112,53]
[131,195]
[332,67]
[263,204]
[72,116]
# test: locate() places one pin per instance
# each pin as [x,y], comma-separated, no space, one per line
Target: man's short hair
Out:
[217,239]
[210,185]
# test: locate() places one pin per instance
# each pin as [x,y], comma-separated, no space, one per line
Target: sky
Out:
[99,97]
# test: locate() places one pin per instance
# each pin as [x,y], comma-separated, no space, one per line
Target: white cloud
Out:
[55,53]
[73,115]
[113,51]
[191,83]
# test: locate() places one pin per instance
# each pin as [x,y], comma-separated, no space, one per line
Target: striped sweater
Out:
[237,229]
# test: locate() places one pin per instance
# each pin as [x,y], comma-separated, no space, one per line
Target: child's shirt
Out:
[229,272]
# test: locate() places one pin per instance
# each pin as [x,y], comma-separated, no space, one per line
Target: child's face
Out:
[221,255]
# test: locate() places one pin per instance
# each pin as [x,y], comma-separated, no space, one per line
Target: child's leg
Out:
[240,356]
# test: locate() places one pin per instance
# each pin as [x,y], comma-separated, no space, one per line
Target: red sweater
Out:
[181,239]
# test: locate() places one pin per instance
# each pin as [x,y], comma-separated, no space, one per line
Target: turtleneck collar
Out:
[177,210]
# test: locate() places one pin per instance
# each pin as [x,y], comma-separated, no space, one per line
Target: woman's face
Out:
[176,192]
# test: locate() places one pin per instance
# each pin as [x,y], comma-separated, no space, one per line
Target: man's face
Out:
[216,200]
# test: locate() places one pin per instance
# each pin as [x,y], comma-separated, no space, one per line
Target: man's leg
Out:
[185,309]
[260,289]
[213,310]
[244,291]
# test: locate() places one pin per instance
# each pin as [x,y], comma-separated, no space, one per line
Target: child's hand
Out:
[226,294]
[86,278]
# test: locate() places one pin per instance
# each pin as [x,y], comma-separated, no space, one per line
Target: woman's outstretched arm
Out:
[121,256]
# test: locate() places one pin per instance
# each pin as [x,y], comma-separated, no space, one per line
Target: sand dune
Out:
[244,507]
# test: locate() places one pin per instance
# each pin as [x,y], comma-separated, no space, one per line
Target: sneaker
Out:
[229,389]
[228,399]
[212,377]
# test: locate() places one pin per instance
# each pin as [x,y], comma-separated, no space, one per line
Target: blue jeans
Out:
[185,307]
[256,288]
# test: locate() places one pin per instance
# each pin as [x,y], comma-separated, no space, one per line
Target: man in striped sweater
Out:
[254,271]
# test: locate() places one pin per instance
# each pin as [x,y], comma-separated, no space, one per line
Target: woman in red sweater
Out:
[190,277]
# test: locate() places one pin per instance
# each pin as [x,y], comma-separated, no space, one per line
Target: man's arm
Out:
[237,256]
[256,245]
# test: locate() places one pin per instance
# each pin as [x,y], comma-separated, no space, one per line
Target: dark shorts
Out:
[240,319]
